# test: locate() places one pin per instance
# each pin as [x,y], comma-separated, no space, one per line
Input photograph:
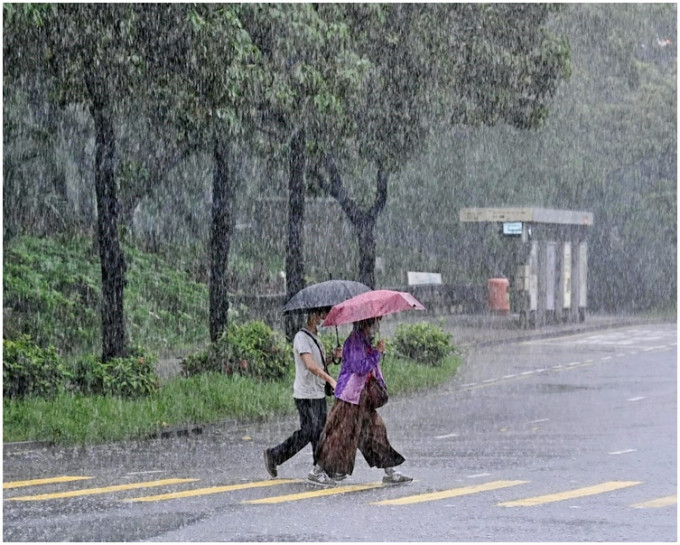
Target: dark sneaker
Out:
[269,464]
[320,478]
[396,478]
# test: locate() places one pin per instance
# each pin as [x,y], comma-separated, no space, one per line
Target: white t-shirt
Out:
[307,385]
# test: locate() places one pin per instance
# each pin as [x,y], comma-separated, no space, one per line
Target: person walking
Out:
[309,395]
[352,424]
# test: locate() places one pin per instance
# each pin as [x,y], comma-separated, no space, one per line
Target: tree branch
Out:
[339,193]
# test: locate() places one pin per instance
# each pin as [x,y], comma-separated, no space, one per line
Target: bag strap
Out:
[323,360]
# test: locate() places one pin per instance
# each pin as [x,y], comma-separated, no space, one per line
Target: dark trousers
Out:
[312,420]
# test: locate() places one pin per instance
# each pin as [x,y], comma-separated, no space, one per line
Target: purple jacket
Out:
[359,358]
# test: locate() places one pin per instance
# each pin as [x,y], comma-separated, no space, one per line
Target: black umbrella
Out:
[324,294]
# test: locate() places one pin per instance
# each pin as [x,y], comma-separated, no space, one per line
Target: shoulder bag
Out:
[376,392]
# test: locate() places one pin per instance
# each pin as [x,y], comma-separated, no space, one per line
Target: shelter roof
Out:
[529,215]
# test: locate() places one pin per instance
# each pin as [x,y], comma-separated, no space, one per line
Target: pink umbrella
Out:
[371,305]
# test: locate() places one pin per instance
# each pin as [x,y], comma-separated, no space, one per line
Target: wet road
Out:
[563,439]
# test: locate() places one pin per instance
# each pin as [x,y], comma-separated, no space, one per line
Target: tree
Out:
[311,73]
[475,64]
[85,49]
[206,75]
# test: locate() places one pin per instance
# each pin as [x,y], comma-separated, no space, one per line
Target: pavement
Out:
[471,331]
[468,332]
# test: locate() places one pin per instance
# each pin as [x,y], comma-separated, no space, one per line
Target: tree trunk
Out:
[110,254]
[366,236]
[295,266]
[220,238]
[363,220]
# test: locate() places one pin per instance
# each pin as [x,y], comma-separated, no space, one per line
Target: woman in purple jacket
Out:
[351,424]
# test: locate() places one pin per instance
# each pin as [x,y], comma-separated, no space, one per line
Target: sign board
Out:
[527,215]
[512,227]
[415,278]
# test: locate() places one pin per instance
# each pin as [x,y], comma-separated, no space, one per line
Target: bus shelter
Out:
[551,265]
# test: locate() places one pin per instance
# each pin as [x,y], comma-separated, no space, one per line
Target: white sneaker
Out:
[320,478]
[396,478]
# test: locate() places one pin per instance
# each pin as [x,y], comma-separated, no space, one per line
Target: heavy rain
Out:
[175,176]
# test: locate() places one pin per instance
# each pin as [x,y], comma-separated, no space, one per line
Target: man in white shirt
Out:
[309,395]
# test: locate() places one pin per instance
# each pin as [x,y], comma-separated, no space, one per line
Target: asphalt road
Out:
[569,438]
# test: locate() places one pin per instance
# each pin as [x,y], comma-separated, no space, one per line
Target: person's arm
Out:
[314,368]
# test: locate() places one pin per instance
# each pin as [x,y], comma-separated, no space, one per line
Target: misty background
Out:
[608,146]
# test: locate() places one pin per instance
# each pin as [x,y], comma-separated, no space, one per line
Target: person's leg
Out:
[377,450]
[319,411]
[337,445]
[299,438]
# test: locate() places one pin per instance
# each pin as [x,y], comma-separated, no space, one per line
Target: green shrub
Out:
[31,371]
[130,377]
[423,342]
[252,349]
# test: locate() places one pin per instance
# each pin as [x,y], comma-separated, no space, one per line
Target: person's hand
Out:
[337,354]
[380,347]
[333,383]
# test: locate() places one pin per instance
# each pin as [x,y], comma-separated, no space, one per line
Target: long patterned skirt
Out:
[350,427]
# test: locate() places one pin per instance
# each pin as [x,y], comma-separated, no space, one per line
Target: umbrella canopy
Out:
[324,294]
[371,305]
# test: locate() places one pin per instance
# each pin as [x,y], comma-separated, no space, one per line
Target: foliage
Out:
[423,342]
[52,291]
[133,376]
[31,371]
[252,349]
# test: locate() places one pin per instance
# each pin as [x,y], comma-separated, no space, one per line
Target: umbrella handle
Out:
[337,339]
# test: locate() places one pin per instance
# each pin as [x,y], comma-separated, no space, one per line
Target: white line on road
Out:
[539,420]
[446,436]
[639,398]
[627,451]
[478,475]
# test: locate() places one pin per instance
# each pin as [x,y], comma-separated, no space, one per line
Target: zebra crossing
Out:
[298,490]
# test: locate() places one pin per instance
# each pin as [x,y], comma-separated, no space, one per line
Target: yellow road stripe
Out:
[579,492]
[88,491]
[35,482]
[213,490]
[659,502]
[432,496]
[317,493]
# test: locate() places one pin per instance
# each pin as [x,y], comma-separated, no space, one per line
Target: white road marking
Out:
[627,451]
[446,436]
[639,398]
[539,420]
[478,475]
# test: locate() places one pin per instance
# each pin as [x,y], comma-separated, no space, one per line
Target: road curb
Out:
[568,330]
